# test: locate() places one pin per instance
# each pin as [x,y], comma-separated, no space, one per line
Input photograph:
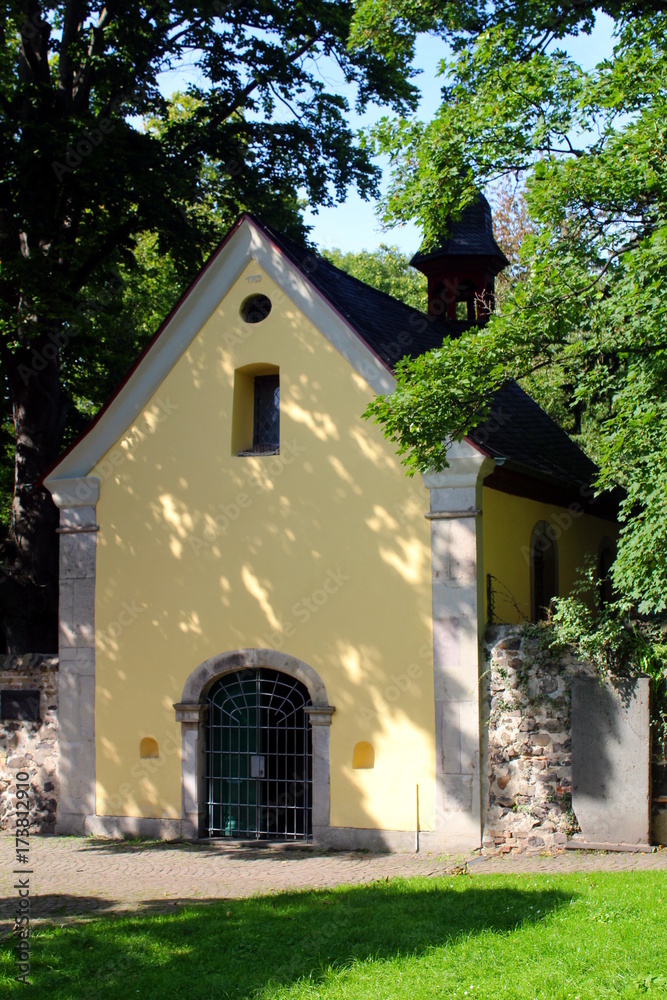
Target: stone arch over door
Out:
[191,713]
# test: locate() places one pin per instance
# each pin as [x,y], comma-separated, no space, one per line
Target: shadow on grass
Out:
[241,948]
[54,907]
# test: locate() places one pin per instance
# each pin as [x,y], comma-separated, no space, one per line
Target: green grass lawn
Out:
[478,936]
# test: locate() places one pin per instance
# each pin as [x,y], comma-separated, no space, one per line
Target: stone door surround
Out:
[191,713]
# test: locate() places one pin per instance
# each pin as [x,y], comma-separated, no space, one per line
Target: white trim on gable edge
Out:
[246,243]
[324,317]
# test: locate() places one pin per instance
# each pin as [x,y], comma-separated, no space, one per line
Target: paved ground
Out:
[73,878]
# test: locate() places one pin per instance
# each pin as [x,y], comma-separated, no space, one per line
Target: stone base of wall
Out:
[529,744]
[122,827]
[30,747]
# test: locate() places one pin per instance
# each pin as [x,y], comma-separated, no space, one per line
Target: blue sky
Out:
[354,225]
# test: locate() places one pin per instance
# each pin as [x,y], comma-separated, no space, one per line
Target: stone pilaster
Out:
[320,721]
[193,788]
[77,499]
[458,625]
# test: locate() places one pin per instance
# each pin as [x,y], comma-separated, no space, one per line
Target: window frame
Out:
[539,603]
[606,548]
[263,387]
[246,438]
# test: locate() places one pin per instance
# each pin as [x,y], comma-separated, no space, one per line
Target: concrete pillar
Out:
[458,630]
[611,739]
[77,499]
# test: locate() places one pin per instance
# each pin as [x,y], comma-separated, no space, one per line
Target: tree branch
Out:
[84,78]
[74,15]
[35,33]
[285,102]
[157,51]
[241,98]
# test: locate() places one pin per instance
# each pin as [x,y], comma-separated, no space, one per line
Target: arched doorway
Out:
[192,713]
[258,757]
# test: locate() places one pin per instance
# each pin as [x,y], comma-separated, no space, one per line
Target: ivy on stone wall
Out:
[615,641]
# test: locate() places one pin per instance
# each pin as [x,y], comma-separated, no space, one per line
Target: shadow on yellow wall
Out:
[321,551]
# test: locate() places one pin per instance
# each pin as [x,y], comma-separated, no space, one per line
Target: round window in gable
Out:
[255,308]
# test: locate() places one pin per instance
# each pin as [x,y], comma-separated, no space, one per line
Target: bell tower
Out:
[464,267]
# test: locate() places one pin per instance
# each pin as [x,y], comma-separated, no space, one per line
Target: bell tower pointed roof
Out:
[462,269]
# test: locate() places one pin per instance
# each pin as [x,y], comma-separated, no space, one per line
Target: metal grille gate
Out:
[258,757]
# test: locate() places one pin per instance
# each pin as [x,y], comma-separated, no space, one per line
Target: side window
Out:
[606,556]
[266,423]
[543,570]
[256,410]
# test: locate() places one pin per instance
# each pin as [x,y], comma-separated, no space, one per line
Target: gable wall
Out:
[508,526]
[321,552]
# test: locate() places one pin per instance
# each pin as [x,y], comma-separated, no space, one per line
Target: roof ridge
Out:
[273,234]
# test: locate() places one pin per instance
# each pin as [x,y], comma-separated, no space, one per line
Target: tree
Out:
[511,225]
[386,269]
[582,419]
[82,184]
[591,148]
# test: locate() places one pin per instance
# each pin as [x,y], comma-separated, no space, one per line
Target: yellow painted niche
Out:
[508,525]
[149,747]
[363,755]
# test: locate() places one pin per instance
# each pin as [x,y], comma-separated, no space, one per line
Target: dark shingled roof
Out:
[471,235]
[518,431]
[521,432]
[389,327]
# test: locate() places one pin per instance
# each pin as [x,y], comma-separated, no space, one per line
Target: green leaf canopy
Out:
[590,148]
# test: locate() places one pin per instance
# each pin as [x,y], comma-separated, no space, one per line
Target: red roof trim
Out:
[478,447]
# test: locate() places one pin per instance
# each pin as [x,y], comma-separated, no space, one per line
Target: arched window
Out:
[543,570]
[606,556]
[259,757]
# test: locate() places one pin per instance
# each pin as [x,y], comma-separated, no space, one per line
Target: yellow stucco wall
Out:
[508,525]
[201,552]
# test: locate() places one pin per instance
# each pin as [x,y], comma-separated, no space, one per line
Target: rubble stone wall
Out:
[529,755]
[30,747]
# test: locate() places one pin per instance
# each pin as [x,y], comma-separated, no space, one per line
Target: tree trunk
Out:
[29,583]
